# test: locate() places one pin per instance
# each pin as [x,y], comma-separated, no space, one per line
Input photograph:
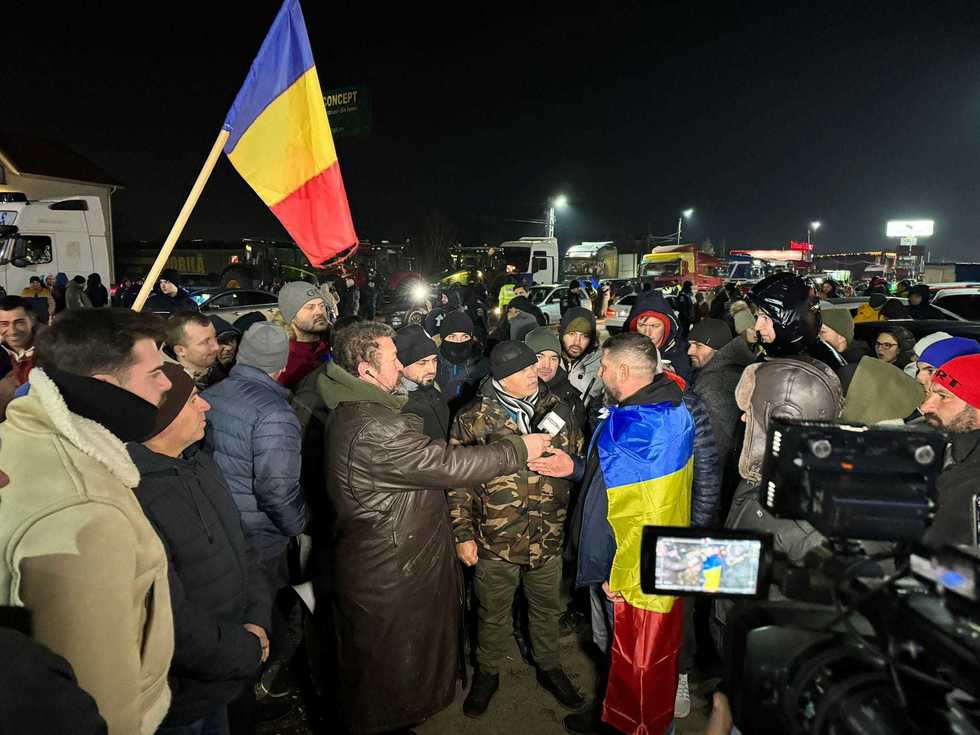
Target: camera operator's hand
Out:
[559,464]
[610,595]
[466,551]
[536,445]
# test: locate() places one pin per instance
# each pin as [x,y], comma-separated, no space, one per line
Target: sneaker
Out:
[482,689]
[556,682]
[682,700]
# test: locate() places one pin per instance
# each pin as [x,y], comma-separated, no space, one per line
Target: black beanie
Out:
[413,344]
[456,321]
[714,333]
[510,357]
[172,275]
[521,303]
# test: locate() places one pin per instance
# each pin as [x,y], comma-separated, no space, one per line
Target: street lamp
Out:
[686,214]
[556,203]
[814,226]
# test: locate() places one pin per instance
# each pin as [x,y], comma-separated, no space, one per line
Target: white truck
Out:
[66,235]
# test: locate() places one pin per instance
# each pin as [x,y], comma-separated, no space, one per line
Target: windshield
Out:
[583,267]
[518,260]
[662,268]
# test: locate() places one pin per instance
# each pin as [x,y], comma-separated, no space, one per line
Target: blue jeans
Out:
[215,723]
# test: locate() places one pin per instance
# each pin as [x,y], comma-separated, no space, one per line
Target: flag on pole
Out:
[280,141]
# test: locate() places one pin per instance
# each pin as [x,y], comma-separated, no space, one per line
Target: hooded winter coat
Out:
[254,436]
[215,586]
[397,587]
[75,296]
[674,347]
[459,375]
[97,293]
[79,552]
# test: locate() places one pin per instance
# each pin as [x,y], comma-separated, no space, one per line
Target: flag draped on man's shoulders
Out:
[280,141]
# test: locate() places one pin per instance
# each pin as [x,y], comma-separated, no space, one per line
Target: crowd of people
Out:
[167,477]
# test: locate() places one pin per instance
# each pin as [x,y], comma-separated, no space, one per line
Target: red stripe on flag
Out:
[643,672]
[317,216]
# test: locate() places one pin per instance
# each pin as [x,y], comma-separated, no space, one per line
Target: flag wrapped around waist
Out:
[643,672]
[280,141]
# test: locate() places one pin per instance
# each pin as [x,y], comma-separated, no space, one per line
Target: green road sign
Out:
[349,111]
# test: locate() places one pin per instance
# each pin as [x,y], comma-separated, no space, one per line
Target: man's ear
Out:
[106,378]
[364,370]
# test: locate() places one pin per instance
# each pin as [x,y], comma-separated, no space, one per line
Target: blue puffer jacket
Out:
[254,437]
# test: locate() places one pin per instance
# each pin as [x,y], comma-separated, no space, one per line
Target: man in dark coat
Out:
[418,355]
[462,365]
[219,600]
[953,405]
[572,298]
[521,290]
[547,348]
[652,315]
[397,592]
[168,297]
[254,437]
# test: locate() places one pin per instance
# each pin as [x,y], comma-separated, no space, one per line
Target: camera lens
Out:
[821,448]
[925,454]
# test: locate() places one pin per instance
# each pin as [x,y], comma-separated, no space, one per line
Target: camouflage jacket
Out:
[519,518]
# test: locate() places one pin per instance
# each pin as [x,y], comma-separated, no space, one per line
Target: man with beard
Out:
[418,355]
[305,313]
[547,348]
[951,405]
[228,339]
[580,352]
[462,366]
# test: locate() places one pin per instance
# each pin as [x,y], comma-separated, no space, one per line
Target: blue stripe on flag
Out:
[654,441]
[284,57]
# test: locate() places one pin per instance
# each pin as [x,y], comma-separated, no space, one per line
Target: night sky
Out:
[761,116]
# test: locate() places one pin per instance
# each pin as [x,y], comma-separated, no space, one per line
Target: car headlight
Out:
[420,292]
[496,311]
[396,320]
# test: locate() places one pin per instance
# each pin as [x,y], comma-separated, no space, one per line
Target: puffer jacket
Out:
[161,303]
[518,517]
[215,587]
[674,348]
[254,437]
[706,488]
[395,577]
[715,385]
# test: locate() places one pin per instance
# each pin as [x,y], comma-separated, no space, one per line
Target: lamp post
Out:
[814,226]
[556,203]
[686,214]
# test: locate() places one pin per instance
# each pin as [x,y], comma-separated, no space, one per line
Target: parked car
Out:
[230,304]
[548,299]
[964,302]
[617,313]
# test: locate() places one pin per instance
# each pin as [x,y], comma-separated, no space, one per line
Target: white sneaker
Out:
[682,700]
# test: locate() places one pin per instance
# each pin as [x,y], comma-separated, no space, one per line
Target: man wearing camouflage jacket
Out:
[512,528]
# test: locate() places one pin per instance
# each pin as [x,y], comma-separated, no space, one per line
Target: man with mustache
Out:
[305,314]
[953,405]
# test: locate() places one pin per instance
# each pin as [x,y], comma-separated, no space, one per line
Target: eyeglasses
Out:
[886,345]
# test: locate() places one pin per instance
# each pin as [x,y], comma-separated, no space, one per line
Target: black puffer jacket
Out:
[674,348]
[214,586]
[706,489]
[427,402]
[715,385]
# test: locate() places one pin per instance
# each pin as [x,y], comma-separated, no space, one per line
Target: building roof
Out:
[29,155]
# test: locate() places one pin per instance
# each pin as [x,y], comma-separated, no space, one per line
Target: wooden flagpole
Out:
[181,221]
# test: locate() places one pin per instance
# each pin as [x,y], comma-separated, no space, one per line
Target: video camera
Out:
[881,635]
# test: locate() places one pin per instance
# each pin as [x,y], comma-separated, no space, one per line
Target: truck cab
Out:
[669,265]
[39,238]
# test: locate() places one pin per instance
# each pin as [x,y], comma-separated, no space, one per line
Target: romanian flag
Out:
[646,454]
[280,141]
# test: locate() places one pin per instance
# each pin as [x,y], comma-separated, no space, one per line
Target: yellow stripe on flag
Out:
[288,144]
[665,501]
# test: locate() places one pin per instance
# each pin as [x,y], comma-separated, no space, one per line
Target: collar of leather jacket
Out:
[338,386]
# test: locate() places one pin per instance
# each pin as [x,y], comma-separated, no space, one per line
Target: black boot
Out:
[482,689]
[587,722]
[556,682]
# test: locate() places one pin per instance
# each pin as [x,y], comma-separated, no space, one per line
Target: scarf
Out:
[456,352]
[521,408]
